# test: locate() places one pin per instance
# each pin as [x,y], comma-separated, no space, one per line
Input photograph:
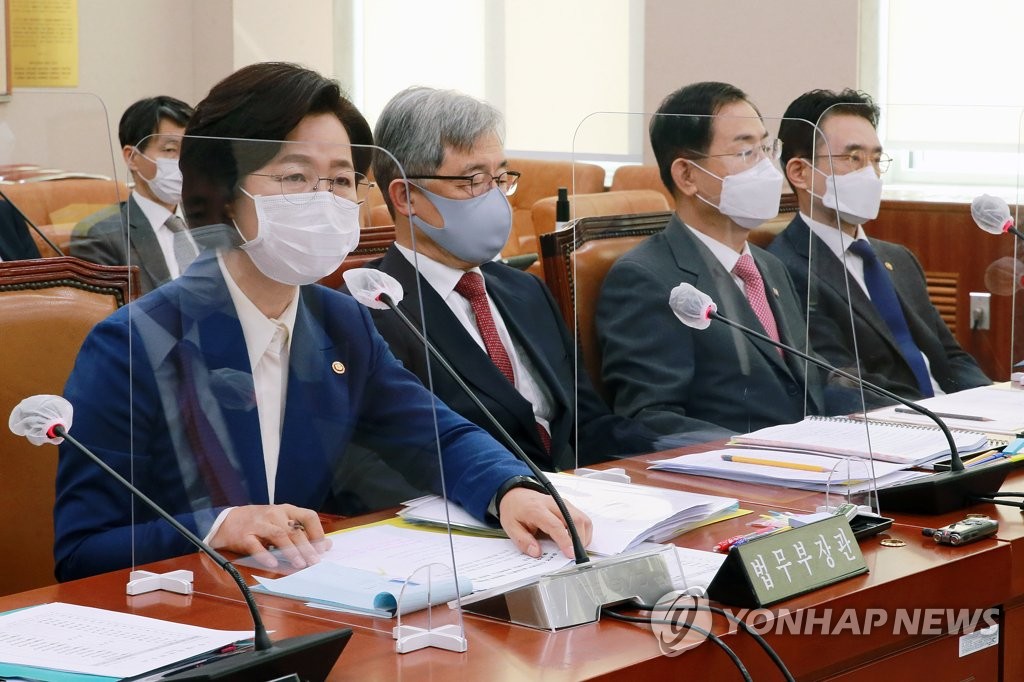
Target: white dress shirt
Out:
[157,216]
[725,254]
[268,342]
[443,280]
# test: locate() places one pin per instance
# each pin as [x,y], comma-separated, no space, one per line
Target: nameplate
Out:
[783,565]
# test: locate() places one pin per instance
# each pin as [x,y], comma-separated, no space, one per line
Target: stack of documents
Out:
[624,514]
[39,640]
[997,410]
[800,470]
[907,444]
[366,569]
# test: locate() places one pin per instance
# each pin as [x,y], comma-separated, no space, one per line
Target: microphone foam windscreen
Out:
[34,416]
[991,213]
[366,285]
[692,306]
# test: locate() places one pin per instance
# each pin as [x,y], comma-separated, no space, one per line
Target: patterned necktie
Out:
[883,296]
[471,287]
[184,251]
[753,287]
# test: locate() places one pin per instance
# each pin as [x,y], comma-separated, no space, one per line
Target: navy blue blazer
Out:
[344,385]
[533,320]
[880,359]
[15,241]
[675,378]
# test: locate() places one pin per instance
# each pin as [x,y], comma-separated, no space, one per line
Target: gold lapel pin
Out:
[338,367]
[888,265]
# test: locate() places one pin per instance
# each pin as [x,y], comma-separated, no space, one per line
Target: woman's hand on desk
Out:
[523,512]
[254,530]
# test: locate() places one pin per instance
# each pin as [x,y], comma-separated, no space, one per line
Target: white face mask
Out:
[303,238]
[857,195]
[166,184]
[751,197]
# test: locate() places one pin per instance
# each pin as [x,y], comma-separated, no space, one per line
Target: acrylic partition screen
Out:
[57,165]
[659,365]
[238,382]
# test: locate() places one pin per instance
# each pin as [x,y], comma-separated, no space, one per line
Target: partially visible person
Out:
[718,161]
[155,238]
[498,326]
[231,394]
[898,339]
[15,241]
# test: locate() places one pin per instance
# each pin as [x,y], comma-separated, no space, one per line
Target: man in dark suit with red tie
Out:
[717,160]
[499,327]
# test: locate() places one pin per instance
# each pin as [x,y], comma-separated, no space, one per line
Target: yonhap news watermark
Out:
[672,622]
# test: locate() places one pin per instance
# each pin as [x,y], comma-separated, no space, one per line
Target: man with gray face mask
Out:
[716,158]
[498,327]
[835,170]
[150,133]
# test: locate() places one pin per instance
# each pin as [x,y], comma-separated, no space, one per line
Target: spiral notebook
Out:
[908,444]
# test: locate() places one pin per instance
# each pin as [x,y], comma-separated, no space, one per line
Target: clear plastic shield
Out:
[260,408]
[656,358]
[57,169]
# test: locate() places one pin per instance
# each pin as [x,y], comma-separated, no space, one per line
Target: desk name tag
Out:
[783,565]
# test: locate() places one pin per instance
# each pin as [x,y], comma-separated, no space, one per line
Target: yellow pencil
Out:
[775,463]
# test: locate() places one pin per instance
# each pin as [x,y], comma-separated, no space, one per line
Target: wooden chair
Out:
[56,203]
[47,306]
[576,261]
[542,179]
[640,177]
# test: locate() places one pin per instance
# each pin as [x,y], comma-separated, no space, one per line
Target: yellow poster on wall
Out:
[44,43]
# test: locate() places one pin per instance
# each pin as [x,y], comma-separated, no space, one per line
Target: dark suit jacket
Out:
[880,359]
[532,318]
[675,378]
[344,385]
[15,241]
[100,238]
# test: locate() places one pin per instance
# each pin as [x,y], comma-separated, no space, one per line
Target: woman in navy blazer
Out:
[164,390]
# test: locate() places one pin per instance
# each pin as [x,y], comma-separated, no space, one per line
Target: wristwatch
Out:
[514,482]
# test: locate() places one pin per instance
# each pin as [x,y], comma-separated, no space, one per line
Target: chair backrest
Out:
[373,243]
[47,306]
[542,179]
[57,203]
[624,202]
[640,177]
[576,261]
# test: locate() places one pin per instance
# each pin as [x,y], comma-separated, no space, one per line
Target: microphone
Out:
[32,225]
[378,290]
[46,419]
[566,598]
[936,494]
[992,214]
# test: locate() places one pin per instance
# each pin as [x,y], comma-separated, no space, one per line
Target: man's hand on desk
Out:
[254,530]
[523,512]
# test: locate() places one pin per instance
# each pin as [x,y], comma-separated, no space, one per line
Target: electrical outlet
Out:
[981,314]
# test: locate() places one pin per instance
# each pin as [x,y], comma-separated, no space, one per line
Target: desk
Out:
[919,575]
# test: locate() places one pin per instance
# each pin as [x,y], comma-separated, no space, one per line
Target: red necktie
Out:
[753,286]
[471,287]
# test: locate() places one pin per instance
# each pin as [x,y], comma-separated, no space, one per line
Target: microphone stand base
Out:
[946,491]
[309,657]
[575,595]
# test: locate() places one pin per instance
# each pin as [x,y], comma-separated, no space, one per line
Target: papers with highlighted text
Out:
[90,641]
[623,514]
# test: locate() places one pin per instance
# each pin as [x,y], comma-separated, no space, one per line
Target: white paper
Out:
[398,552]
[92,641]
[1002,409]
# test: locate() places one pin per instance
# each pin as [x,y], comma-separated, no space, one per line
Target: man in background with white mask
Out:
[499,327]
[150,135]
[717,160]
[902,342]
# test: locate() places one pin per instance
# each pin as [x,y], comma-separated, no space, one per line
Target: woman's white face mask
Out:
[302,238]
